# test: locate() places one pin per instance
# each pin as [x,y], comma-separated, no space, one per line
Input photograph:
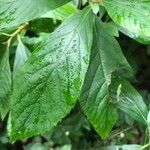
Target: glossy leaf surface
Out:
[15,12]
[62,12]
[133,16]
[51,79]
[95,99]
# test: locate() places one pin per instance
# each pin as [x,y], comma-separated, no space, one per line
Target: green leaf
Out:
[111,28]
[62,12]
[95,98]
[5,81]
[129,100]
[65,147]
[33,42]
[22,53]
[122,147]
[148,121]
[15,12]
[126,14]
[50,81]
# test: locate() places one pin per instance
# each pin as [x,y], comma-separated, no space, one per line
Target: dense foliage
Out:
[74,74]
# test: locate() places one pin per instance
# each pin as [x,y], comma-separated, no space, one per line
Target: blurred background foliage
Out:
[74,132]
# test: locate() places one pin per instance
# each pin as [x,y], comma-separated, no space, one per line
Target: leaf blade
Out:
[22,53]
[52,78]
[62,13]
[95,98]
[17,12]
[130,101]
[123,147]
[126,14]
[5,82]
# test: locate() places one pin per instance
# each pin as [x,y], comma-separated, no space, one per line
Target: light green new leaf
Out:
[133,16]
[50,81]
[129,100]
[22,53]
[95,98]
[15,12]
[62,12]
[5,81]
